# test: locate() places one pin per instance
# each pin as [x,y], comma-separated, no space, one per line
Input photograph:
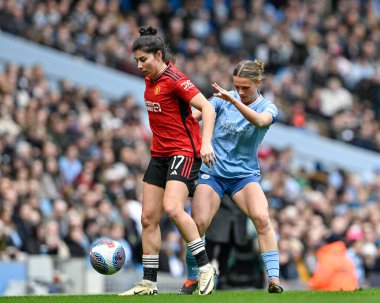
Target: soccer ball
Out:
[107,256]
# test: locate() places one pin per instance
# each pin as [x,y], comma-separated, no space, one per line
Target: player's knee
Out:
[262,222]
[149,219]
[172,210]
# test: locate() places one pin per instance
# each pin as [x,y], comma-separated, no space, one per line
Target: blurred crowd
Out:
[321,56]
[71,162]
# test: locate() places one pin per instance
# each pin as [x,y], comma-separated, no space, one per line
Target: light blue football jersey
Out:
[236,140]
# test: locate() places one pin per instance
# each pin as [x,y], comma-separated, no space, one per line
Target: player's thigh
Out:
[181,174]
[205,204]
[184,169]
[152,204]
[153,190]
[156,172]
[175,196]
[251,200]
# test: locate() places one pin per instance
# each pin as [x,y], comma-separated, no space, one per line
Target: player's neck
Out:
[160,69]
[253,99]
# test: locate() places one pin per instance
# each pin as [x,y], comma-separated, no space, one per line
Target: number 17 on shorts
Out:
[182,166]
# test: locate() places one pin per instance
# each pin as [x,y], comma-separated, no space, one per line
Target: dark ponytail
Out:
[149,42]
[147,31]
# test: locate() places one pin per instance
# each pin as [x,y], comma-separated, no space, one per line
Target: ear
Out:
[159,55]
[258,82]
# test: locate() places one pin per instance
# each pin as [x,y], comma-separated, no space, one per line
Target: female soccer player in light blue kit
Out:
[243,117]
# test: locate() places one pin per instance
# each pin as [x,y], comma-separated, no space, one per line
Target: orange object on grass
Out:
[335,271]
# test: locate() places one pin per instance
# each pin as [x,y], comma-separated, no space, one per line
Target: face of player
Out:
[148,63]
[246,88]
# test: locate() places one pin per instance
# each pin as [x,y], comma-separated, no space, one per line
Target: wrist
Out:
[234,101]
[206,141]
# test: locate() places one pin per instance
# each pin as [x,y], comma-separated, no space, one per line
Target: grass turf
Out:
[361,296]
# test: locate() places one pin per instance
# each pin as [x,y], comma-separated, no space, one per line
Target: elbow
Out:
[208,106]
[263,122]
[260,124]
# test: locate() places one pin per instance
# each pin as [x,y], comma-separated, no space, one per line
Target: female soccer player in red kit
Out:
[177,152]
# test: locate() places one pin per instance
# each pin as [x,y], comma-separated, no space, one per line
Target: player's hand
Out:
[207,154]
[222,93]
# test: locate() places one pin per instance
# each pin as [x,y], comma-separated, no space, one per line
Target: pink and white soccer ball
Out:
[107,256]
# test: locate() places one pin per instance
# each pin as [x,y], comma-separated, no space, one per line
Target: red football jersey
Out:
[175,131]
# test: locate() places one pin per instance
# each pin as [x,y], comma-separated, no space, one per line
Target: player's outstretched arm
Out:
[257,119]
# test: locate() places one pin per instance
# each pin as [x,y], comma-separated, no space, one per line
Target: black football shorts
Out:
[180,168]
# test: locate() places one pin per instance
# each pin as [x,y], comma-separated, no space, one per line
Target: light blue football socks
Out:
[270,258]
[271,261]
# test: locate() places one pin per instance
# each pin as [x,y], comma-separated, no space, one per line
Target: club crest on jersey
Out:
[187,85]
[157,90]
[205,176]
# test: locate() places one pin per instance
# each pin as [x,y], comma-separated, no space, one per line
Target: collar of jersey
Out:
[160,74]
[259,98]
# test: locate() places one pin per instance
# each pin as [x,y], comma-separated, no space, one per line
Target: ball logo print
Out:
[107,256]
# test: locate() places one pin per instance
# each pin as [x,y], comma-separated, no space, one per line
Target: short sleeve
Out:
[185,89]
[216,103]
[272,109]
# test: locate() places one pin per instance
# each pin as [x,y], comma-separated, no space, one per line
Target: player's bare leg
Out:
[252,201]
[176,193]
[202,214]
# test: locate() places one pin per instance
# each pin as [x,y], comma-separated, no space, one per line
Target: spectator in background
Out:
[131,230]
[51,180]
[76,240]
[335,98]
[69,165]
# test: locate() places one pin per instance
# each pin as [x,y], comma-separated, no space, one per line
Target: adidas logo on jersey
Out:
[174,172]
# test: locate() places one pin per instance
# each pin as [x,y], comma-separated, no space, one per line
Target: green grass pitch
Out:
[361,296]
